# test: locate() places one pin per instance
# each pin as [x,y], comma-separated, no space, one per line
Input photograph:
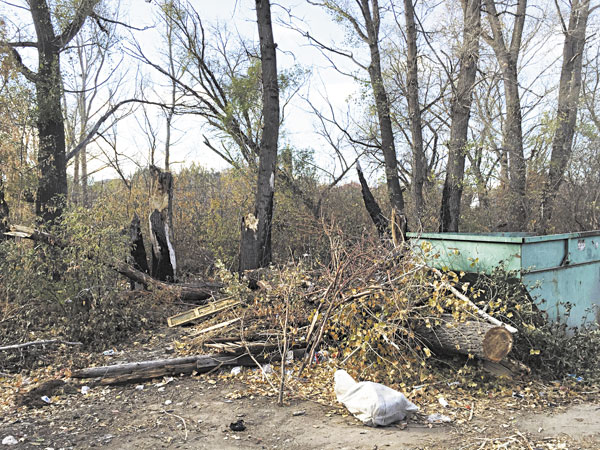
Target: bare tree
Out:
[255,245]
[462,95]
[50,43]
[568,102]
[507,54]
[366,24]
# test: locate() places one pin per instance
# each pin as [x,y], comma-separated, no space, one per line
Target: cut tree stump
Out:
[479,339]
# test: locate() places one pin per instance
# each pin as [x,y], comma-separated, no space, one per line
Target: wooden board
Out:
[201,312]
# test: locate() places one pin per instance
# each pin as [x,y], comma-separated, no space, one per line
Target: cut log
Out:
[136,371]
[472,305]
[164,264]
[479,339]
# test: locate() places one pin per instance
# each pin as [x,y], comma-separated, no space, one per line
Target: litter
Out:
[372,403]
[438,418]
[236,370]
[9,440]
[45,399]
[443,402]
[85,390]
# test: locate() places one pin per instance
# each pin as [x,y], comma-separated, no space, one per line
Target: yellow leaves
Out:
[427,352]
[534,352]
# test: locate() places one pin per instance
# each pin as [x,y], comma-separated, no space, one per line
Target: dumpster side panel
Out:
[472,256]
[578,285]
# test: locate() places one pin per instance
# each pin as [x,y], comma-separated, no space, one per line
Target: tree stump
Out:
[164,264]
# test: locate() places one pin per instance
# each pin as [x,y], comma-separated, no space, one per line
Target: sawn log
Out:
[479,339]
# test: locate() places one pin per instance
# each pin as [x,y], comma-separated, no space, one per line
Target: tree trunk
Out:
[382,106]
[52,186]
[419,162]
[4,211]
[568,99]
[255,244]
[512,135]
[164,264]
[381,222]
[459,115]
[479,339]
[138,251]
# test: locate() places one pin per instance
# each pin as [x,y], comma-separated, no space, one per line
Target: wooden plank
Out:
[217,326]
[201,312]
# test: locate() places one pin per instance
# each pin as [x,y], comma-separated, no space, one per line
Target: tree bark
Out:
[138,250]
[419,162]
[382,105]
[381,222]
[164,263]
[255,244]
[568,99]
[460,113]
[143,370]
[512,136]
[478,339]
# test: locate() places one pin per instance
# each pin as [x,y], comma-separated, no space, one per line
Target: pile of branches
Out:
[380,310]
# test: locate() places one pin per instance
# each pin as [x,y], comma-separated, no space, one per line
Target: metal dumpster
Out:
[554,269]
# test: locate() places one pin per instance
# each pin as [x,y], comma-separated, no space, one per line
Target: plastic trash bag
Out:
[372,403]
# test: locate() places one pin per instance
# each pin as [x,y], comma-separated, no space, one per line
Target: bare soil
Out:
[195,412]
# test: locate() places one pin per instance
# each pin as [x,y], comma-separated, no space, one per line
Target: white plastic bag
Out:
[372,403]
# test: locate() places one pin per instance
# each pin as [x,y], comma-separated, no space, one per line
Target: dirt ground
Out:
[194,412]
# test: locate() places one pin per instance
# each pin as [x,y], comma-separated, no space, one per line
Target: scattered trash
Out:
[438,418]
[267,369]
[9,440]
[372,403]
[45,399]
[165,381]
[443,402]
[575,377]
[168,402]
[454,383]
[321,356]
[298,413]
[236,370]
[110,352]
[85,390]
[289,357]
[517,395]
[237,426]
[161,389]
[139,387]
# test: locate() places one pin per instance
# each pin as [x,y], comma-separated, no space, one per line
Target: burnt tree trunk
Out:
[462,97]
[255,242]
[478,339]
[163,254]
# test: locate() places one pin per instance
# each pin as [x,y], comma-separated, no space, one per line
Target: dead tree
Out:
[255,243]
[164,264]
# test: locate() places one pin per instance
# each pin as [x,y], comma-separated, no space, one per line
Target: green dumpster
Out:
[554,269]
